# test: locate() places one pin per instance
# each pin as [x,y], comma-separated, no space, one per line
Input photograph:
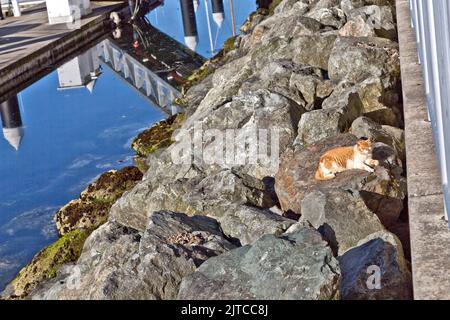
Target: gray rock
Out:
[341,216]
[357,27]
[294,266]
[379,18]
[356,59]
[383,191]
[314,50]
[119,263]
[248,224]
[247,113]
[198,195]
[337,115]
[364,127]
[333,17]
[376,270]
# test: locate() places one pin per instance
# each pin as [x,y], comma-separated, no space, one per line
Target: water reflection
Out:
[12,122]
[74,132]
[80,72]
[202,25]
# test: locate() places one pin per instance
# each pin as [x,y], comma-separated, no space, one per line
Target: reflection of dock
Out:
[138,75]
[151,62]
[30,47]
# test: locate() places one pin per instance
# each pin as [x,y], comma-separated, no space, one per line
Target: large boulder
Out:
[357,58]
[201,195]
[338,111]
[295,266]
[375,270]
[120,263]
[383,191]
[378,18]
[248,116]
[341,216]
[365,128]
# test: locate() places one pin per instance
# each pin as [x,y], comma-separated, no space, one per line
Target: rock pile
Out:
[322,73]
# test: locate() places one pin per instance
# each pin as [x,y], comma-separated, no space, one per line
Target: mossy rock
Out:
[92,208]
[141,164]
[111,185]
[273,6]
[47,262]
[157,137]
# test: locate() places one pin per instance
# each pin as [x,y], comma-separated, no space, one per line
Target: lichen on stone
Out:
[157,137]
[46,263]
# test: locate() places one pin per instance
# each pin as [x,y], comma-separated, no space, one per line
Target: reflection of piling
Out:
[12,122]
[10,113]
[218,12]
[189,24]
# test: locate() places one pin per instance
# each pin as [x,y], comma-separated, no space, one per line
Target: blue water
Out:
[72,136]
[167,18]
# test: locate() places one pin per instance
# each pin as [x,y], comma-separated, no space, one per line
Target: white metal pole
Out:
[16,8]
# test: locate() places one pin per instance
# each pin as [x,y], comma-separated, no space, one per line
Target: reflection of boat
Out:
[12,122]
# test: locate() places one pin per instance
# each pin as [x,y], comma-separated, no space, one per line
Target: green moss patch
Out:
[157,137]
[47,262]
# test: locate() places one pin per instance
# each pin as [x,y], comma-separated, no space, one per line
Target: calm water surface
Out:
[71,136]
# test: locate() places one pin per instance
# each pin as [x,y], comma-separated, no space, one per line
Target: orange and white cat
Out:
[346,158]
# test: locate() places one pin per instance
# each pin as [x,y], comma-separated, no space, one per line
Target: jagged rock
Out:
[92,208]
[276,77]
[248,114]
[376,270]
[248,224]
[341,216]
[379,18]
[119,263]
[333,17]
[364,127]
[223,196]
[336,117]
[357,27]
[356,59]
[197,93]
[383,191]
[314,50]
[313,89]
[295,266]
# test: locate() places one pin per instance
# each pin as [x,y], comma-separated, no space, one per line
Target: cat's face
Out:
[365,146]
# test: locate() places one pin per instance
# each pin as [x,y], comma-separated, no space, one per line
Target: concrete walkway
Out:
[30,47]
[430,234]
[20,37]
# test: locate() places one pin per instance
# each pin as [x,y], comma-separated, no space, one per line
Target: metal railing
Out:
[431,23]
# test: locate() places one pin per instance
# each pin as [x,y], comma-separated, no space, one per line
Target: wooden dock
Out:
[30,47]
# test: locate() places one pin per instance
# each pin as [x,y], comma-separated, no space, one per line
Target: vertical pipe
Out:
[16,8]
[189,24]
[233,24]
